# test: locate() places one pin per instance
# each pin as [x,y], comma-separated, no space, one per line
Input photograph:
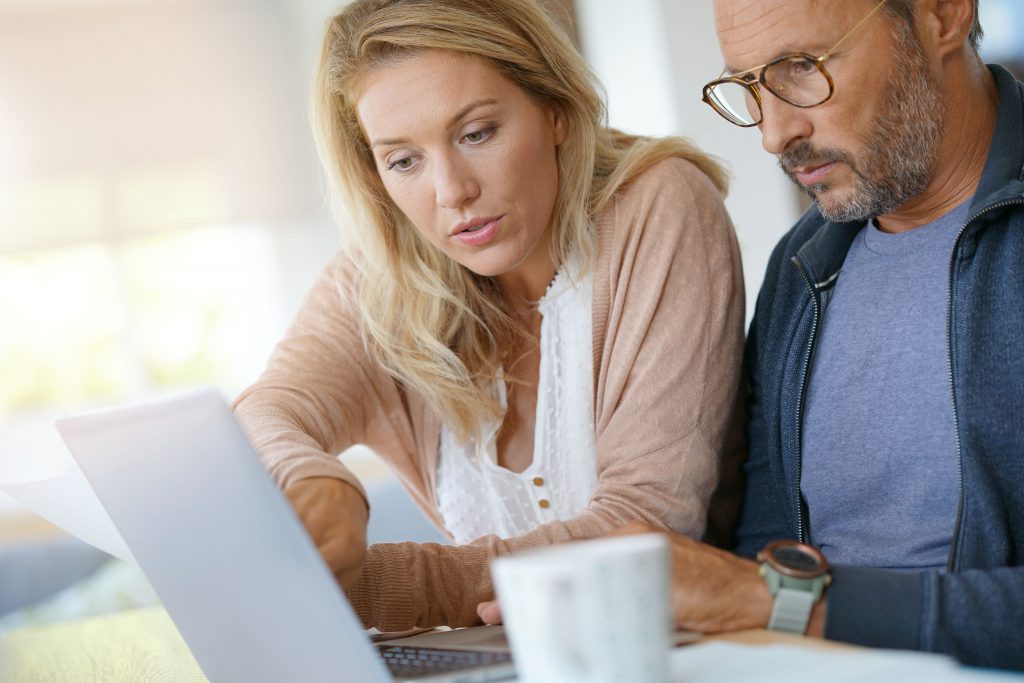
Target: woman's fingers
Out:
[489,612]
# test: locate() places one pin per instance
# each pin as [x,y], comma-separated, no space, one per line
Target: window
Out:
[160,204]
[1003,22]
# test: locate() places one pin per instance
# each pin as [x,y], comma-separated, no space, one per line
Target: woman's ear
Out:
[557,124]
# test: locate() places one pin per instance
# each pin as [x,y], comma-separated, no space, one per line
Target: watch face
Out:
[796,559]
[791,558]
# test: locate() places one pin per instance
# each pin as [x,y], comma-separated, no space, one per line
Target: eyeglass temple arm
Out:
[849,33]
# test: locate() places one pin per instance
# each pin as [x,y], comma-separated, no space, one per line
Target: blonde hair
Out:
[437,327]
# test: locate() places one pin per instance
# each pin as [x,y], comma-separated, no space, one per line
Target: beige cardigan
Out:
[668,317]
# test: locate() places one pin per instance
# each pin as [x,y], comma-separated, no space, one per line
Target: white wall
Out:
[654,56]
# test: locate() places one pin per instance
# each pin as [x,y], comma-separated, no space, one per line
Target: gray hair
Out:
[904,9]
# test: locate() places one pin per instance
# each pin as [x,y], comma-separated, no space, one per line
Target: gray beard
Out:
[896,160]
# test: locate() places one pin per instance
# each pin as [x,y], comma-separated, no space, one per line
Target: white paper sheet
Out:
[719,661]
[37,471]
[67,501]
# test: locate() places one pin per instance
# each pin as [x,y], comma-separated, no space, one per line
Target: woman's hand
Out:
[489,612]
[335,515]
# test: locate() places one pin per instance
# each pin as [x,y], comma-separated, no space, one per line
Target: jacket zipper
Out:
[800,401]
[954,542]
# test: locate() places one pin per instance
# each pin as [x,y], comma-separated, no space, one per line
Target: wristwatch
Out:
[796,575]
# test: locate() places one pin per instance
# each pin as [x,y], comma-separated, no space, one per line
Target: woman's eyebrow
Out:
[470,107]
[475,104]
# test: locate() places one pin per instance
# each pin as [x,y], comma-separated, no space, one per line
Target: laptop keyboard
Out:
[412,662]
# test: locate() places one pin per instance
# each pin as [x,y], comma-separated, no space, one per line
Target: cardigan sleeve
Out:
[320,392]
[668,306]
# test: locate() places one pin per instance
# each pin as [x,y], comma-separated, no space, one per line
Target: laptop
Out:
[232,563]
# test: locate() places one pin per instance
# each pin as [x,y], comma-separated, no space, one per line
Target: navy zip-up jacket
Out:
[975,610]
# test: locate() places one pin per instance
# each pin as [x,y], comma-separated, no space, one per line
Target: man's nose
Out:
[454,182]
[782,124]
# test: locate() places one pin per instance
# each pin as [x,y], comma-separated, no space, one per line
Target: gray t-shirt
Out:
[879,470]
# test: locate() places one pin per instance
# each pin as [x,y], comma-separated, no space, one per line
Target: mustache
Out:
[803,154]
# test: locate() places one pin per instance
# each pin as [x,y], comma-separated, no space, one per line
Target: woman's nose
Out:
[454,183]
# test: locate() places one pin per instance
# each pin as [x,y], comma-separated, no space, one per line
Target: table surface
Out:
[136,645]
[143,645]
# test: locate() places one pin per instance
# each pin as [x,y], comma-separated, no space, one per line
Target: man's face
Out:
[871,147]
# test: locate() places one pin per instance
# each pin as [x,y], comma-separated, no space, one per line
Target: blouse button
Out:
[538,481]
[543,502]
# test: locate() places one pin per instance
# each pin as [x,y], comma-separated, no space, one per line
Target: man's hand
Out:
[713,591]
[335,515]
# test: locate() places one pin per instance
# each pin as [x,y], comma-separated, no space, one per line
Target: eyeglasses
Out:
[799,79]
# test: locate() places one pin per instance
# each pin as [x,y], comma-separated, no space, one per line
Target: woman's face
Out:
[469,158]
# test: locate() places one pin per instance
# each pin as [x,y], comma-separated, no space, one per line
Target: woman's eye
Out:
[403,164]
[478,136]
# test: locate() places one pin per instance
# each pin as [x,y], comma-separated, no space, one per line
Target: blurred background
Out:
[161,204]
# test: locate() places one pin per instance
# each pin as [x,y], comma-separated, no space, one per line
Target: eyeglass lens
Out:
[798,80]
[735,102]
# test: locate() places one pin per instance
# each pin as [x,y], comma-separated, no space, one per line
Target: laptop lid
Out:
[220,544]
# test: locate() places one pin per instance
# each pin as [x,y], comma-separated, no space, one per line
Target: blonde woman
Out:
[535,320]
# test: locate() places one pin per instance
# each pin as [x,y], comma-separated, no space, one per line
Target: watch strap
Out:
[791,611]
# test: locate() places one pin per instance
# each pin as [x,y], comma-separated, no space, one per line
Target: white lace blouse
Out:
[476,496]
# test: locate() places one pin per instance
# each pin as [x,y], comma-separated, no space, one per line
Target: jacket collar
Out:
[822,256]
[1003,176]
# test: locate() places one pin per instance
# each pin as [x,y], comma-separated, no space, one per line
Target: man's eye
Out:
[800,68]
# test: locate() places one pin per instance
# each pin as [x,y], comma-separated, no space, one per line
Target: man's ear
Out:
[945,25]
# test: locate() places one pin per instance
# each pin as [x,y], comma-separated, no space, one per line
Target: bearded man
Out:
[885,473]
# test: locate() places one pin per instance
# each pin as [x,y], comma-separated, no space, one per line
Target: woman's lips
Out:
[814,175]
[479,236]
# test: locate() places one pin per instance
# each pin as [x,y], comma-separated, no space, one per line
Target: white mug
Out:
[594,611]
